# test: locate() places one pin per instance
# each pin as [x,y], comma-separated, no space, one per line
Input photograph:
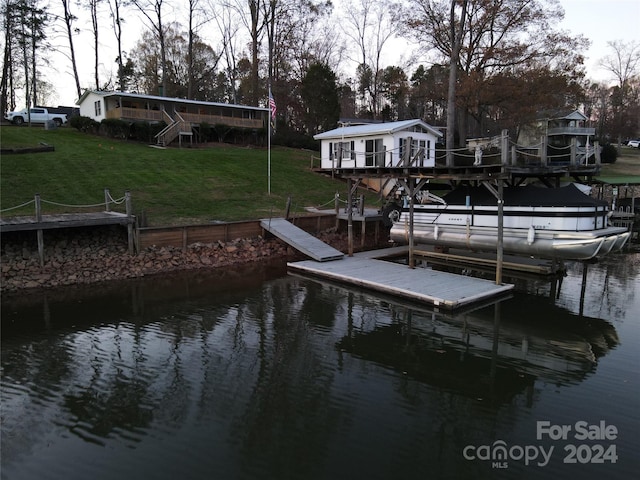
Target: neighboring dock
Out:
[64,220]
[41,222]
[370,270]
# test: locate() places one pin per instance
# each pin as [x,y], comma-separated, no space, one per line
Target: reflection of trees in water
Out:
[290,395]
[270,364]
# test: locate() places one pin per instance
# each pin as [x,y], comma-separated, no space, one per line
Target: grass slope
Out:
[172,186]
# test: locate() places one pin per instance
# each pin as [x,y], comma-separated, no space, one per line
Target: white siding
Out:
[391,147]
[88,107]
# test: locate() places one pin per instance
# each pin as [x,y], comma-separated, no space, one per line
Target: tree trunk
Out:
[254,8]
[456,42]
[93,5]
[68,20]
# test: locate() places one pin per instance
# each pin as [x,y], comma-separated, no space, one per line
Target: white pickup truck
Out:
[38,115]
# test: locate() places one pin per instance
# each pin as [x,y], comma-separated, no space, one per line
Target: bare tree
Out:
[29,30]
[370,26]
[92,6]
[501,43]
[228,23]
[256,25]
[116,8]
[155,20]
[7,91]
[624,64]
[195,21]
[69,18]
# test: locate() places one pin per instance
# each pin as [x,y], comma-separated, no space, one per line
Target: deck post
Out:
[288,209]
[39,233]
[596,151]
[336,200]
[544,161]
[107,207]
[583,287]
[127,202]
[499,253]
[574,156]
[412,262]
[350,216]
[504,147]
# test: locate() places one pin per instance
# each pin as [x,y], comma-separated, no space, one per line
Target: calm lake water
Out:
[255,374]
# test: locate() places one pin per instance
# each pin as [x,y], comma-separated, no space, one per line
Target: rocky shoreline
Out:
[100,255]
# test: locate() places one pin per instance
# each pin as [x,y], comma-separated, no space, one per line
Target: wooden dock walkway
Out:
[369,270]
[301,240]
[64,220]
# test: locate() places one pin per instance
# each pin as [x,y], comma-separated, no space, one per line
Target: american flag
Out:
[272,106]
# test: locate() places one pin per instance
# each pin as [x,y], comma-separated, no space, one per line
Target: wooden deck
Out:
[369,270]
[40,223]
[64,220]
[301,240]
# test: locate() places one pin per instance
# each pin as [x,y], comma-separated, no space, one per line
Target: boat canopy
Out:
[528,195]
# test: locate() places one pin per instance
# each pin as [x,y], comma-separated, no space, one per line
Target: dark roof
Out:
[529,195]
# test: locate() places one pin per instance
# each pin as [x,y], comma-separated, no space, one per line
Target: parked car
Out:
[38,115]
[634,143]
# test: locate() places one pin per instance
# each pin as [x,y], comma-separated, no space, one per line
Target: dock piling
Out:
[39,232]
[127,203]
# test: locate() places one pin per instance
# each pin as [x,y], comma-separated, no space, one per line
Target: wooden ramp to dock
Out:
[301,240]
[441,289]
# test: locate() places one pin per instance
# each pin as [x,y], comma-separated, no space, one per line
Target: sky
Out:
[600,21]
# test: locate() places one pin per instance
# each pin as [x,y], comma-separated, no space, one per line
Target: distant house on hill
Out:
[378,145]
[563,132]
[182,116]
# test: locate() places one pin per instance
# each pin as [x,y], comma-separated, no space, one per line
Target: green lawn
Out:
[627,164]
[171,186]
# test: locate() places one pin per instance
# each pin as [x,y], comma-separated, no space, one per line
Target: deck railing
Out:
[194,118]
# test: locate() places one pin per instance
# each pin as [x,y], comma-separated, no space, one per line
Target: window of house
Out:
[418,150]
[98,107]
[347,148]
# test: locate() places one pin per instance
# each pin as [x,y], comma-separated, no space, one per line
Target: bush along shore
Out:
[100,255]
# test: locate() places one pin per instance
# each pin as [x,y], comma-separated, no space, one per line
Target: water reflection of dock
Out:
[487,352]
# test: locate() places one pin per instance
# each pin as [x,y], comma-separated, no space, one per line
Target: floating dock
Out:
[370,270]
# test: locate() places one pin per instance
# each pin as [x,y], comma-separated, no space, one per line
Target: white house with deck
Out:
[182,116]
[391,144]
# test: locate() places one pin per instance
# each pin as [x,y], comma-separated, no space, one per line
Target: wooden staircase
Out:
[177,126]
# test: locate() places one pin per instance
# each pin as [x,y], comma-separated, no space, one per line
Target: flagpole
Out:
[269,149]
[269,119]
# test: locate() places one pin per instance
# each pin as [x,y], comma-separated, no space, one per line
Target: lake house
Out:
[181,116]
[378,145]
[564,136]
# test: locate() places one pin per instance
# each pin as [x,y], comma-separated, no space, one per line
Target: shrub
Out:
[115,128]
[206,132]
[609,153]
[288,137]
[84,124]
